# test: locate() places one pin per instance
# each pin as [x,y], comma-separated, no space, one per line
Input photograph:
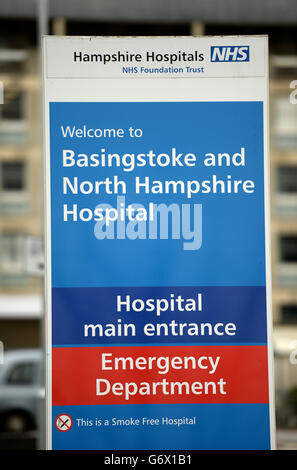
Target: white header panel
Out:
[96,57]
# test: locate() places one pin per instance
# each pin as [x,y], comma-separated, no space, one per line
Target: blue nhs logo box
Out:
[230,53]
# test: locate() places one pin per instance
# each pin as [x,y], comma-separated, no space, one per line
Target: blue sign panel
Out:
[159,309]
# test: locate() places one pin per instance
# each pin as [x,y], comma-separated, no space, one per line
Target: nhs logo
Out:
[230,53]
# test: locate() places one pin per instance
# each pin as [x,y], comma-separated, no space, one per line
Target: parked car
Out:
[21,390]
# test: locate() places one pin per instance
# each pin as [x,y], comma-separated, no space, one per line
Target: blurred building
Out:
[20,193]
[283,158]
[21,156]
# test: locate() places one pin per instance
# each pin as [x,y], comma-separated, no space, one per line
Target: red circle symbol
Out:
[63,422]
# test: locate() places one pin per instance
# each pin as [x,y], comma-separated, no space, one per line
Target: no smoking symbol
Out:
[63,422]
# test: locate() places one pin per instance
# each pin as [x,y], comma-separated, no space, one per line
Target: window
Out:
[13,176]
[287,179]
[21,374]
[13,195]
[289,314]
[13,256]
[13,106]
[12,60]
[286,197]
[13,127]
[288,249]
[285,123]
[287,268]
